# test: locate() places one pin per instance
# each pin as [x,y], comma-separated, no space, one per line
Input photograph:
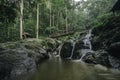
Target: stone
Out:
[114,62]
[66,50]
[18,61]
[76,52]
[98,57]
[114,49]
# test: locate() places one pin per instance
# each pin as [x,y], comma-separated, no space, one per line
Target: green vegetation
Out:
[41,18]
[107,33]
[35,30]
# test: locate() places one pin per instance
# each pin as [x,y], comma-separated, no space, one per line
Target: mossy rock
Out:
[66,50]
[21,59]
[114,49]
[105,35]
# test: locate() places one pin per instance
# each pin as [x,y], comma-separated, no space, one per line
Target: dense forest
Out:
[42,18]
[59,39]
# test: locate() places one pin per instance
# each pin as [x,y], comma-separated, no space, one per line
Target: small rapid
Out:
[87,40]
[87,44]
[57,68]
[73,45]
[76,48]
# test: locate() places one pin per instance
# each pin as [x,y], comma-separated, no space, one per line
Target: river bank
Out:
[95,46]
[22,57]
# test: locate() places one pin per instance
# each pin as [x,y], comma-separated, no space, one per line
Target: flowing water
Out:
[87,45]
[73,44]
[87,40]
[56,69]
[59,50]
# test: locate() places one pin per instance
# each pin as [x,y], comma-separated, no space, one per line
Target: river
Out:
[61,69]
[57,69]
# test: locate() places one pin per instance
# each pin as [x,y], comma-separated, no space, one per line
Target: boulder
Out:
[98,57]
[76,52]
[66,50]
[114,49]
[16,62]
[101,57]
[114,62]
[5,70]
[89,56]
[107,38]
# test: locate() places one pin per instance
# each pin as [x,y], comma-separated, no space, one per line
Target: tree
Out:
[21,19]
[56,16]
[37,24]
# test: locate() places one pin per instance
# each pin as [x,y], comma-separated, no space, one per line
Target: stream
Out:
[68,69]
[57,69]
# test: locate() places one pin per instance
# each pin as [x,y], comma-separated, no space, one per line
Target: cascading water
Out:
[59,50]
[73,44]
[87,44]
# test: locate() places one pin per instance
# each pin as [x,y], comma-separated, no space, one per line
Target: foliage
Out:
[107,33]
[55,16]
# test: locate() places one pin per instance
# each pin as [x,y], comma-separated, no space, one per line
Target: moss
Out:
[9,56]
[47,44]
[107,33]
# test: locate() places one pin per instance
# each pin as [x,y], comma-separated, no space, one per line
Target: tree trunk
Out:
[50,16]
[21,19]
[66,21]
[53,23]
[57,21]
[37,24]
[53,19]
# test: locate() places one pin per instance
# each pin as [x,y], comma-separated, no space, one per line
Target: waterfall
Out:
[59,50]
[84,52]
[86,40]
[73,44]
[87,44]
[72,50]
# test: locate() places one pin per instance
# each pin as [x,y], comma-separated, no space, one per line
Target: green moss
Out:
[107,33]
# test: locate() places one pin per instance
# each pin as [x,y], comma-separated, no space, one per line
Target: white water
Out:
[87,45]
[87,40]
[72,50]
[59,48]
[84,51]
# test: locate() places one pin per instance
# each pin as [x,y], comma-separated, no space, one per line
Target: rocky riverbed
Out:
[105,42]
[22,57]
[100,45]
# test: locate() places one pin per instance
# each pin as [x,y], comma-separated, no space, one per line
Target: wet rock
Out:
[76,52]
[100,67]
[101,57]
[5,70]
[107,37]
[66,50]
[1,49]
[18,61]
[98,57]
[22,68]
[114,49]
[51,44]
[114,62]
[89,57]
[72,49]
[103,34]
